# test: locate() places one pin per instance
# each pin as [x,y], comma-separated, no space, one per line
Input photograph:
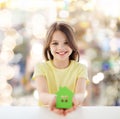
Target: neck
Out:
[61,64]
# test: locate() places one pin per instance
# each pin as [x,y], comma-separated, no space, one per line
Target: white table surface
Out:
[88,112]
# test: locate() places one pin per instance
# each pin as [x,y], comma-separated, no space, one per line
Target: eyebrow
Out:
[57,41]
[54,41]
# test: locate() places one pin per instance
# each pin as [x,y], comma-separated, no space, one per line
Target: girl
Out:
[61,68]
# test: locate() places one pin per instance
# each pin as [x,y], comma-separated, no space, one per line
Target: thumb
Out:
[53,103]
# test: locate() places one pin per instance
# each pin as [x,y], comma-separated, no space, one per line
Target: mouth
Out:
[62,53]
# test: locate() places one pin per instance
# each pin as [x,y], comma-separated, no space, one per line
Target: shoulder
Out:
[78,64]
[38,65]
[43,65]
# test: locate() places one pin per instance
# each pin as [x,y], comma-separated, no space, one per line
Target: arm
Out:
[42,89]
[80,91]
[79,94]
[45,97]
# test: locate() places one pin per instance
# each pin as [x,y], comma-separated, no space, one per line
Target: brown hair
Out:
[69,32]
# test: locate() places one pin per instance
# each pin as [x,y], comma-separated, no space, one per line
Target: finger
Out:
[52,107]
[74,107]
[74,102]
[69,110]
[62,111]
[53,104]
[58,111]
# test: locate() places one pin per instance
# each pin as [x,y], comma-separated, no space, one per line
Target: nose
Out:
[61,46]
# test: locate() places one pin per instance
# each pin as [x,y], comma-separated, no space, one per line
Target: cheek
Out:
[51,48]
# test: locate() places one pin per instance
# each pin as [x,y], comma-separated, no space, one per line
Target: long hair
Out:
[69,32]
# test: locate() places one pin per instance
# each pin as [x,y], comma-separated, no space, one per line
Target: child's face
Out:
[59,46]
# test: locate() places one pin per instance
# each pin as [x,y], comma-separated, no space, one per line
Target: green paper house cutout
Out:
[64,98]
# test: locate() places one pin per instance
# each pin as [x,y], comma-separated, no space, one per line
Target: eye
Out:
[54,43]
[66,43]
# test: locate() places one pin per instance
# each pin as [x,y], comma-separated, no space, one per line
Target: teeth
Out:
[61,53]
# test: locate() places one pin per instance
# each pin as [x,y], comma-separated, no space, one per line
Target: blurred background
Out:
[23,25]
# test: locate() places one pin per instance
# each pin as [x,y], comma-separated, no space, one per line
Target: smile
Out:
[61,53]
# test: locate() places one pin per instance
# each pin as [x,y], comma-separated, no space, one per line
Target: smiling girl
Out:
[61,68]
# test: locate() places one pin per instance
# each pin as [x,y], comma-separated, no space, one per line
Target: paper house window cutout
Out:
[64,98]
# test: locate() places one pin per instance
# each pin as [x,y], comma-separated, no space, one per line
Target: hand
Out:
[54,109]
[62,111]
[75,104]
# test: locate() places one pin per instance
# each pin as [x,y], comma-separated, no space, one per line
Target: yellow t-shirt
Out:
[60,77]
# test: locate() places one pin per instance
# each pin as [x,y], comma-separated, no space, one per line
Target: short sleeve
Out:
[82,72]
[38,70]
